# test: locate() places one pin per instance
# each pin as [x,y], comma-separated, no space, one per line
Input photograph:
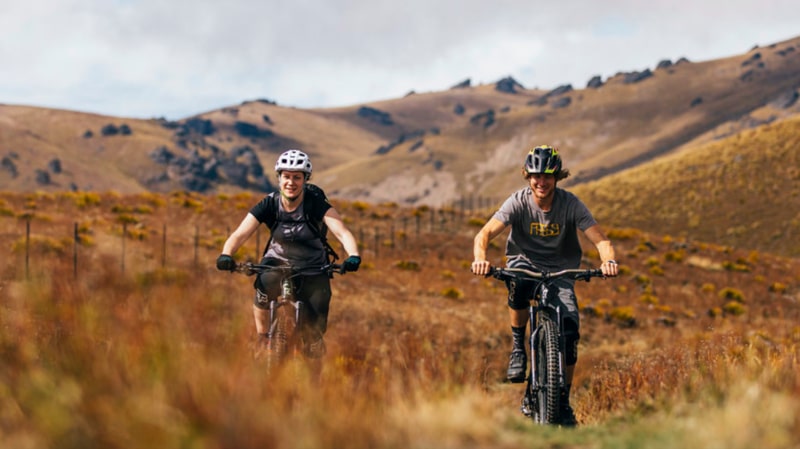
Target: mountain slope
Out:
[600,131]
[742,191]
[431,148]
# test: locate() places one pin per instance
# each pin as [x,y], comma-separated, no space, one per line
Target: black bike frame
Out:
[287,296]
[539,308]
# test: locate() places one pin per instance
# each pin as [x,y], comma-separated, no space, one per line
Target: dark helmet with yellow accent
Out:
[543,159]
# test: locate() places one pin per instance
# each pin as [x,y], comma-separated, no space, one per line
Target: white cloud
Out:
[176,58]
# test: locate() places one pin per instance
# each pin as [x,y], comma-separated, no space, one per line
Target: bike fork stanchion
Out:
[273,311]
[562,347]
[534,336]
[299,338]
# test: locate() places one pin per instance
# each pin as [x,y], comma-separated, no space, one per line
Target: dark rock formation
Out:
[664,64]
[508,85]
[197,125]
[463,85]
[109,130]
[245,129]
[562,102]
[8,165]
[595,82]
[375,115]
[487,117]
[418,134]
[42,176]
[635,77]
[55,166]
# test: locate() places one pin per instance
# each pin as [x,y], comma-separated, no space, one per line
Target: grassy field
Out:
[134,340]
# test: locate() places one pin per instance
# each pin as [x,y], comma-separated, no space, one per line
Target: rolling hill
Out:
[725,118]
[742,191]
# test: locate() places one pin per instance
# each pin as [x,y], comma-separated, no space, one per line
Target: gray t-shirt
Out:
[544,240]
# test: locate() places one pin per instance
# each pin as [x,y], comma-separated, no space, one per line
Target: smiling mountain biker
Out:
[297,215]
[544,221]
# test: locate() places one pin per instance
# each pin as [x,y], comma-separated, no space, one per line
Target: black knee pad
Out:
[261,300]
[571,338]
[518,298]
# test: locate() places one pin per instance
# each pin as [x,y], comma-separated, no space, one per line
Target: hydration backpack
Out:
[314,211]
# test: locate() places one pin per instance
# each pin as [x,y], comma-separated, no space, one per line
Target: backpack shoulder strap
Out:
[315,211]
[272,211]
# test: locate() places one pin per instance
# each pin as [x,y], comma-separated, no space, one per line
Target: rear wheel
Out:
[545,388]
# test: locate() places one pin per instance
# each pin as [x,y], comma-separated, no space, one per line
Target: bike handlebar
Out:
[250,268]
[513,273]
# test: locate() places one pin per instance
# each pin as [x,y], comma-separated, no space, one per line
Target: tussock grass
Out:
[162,356]
[740,191]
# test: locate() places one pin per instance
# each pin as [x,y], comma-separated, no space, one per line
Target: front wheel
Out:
[278,342]
[545,388]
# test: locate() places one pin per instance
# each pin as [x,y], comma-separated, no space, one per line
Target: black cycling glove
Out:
[352,263]
[225,263]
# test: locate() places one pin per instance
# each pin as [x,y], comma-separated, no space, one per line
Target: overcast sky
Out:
[177,58]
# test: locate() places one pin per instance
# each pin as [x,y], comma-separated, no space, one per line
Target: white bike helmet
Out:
[293,160]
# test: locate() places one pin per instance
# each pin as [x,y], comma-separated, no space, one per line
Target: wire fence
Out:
[124,247]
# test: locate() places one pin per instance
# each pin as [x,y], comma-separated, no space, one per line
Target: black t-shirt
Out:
[293,240]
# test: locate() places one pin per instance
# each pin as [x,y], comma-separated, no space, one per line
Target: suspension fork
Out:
[273,310]
[533,322]
[534,312]
[534,325]
[562,348]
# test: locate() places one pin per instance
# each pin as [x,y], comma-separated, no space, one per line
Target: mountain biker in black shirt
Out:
[293,241]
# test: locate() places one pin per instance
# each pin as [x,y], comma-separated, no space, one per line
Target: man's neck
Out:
[546,203]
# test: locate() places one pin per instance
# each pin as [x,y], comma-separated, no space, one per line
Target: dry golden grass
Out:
[743,191]
[161,356]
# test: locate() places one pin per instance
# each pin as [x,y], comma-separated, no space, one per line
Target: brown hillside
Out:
[434,148]
[743,191]
[30,138]
[464,146]
[600,130]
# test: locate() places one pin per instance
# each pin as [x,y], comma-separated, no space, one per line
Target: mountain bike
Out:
[286,313]
[547,377]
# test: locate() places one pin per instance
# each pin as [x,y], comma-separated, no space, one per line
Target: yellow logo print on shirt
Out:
[545,229]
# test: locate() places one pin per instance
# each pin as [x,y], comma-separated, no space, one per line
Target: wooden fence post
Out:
[196,244]
[164,247]
[124,232]
[27,247]
[76,238]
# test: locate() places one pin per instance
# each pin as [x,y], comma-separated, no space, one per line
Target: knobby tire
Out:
[547,359]
[279,344]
